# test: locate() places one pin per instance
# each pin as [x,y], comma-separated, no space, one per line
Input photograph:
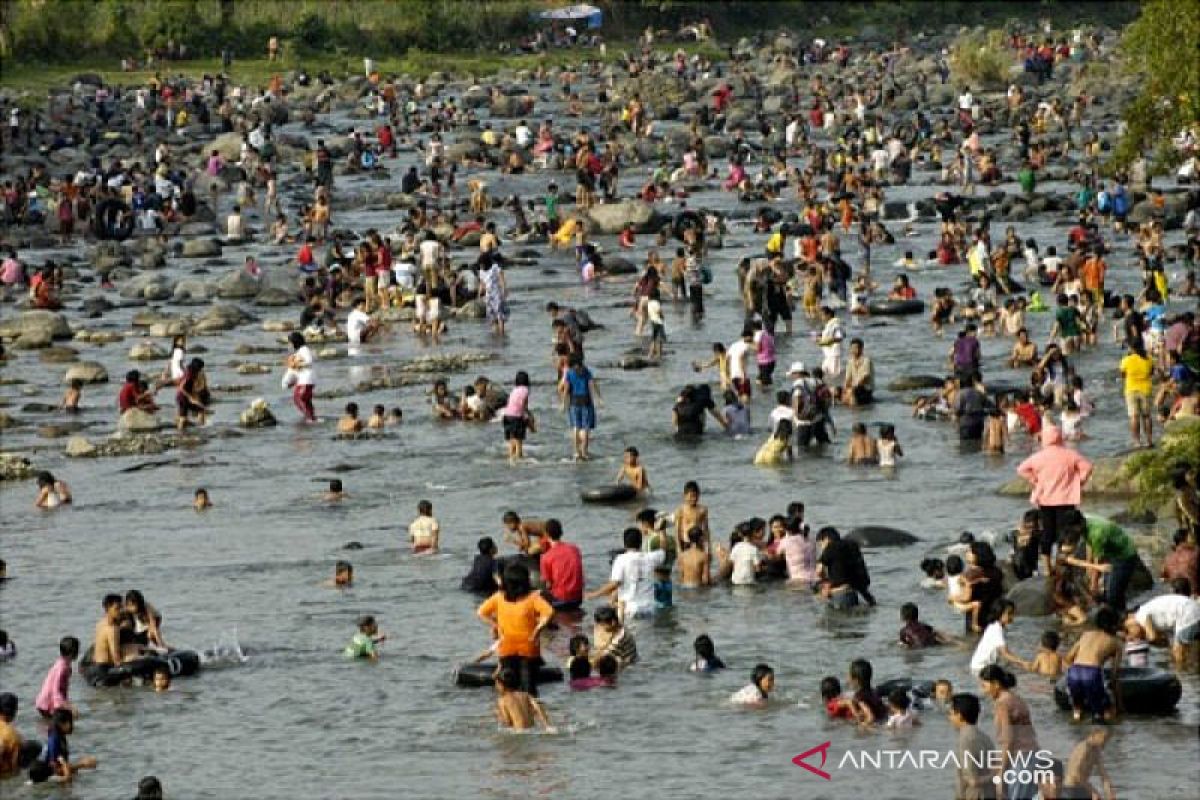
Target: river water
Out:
[297,720]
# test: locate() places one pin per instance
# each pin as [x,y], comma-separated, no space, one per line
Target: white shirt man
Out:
[523,134]
[634,574]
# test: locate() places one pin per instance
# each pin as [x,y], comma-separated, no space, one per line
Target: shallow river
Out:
[297,720]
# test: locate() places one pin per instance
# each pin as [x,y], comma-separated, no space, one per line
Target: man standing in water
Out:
[562,570]
[1057,474]
[577,389]
[106,652]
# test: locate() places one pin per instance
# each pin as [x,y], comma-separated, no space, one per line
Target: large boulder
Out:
[619,266]
[237,284]
[910,382]
[614,217]
[201,248]
[86,371]
[136,420]
[274,297]
[48,323]
[1033,597]
[221,318]
[190,292]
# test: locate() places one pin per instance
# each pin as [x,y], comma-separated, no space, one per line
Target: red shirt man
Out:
[562,569]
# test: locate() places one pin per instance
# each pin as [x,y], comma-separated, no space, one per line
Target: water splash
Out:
[226,652]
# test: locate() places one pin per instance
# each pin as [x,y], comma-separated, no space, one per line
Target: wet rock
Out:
[170,327]
[57,430]
[190,292]
[98,337]
[258,415]
[88,372]
[472,309]
[33,339]
[619,266]
[53,324]
[273,297]
[221,318]
[635,363]
[96,304]
[136,420]
[200,248]
[153,260]
[14,467]
[278,325]
[237,284]
[1108,480]
[253,369]
[147,351]
[80,447]
[880,536]
[1033,597]
[39,408]
[7,421]
[910,382]
[614,217]
[58,355]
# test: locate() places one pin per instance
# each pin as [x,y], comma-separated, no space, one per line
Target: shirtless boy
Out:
[633,471]
[1085,676]
[694,564]
[691,514]
[516,709]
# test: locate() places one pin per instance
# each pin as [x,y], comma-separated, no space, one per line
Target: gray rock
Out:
[201,248]
[619,266]
[54,324]
[237,284]
[146,351]
[222,318]
[909,382]
[880,536]
[137,421]
[33,339]
[86,371]
[15,467]
[274,297]
[190,291]
[1033,597]
[80,447]
[258,415]
[612,218]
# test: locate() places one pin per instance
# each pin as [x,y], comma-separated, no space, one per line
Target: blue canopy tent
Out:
[593,16]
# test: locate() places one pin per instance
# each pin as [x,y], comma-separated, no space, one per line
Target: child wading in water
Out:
[758,691]
[516,709]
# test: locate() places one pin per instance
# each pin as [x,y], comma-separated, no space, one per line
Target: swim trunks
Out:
[1086,685]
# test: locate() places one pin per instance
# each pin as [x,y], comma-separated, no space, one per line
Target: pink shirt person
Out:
[56,688]
[1057,473]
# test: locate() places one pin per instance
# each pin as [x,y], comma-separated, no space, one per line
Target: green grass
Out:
[37,79]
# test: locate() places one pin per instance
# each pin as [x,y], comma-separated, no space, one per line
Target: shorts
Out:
[843,599]
[1137,404]
[422,548]
[658,333]
[514,429]
[766,373]
[1086,686]
[370,282]
[863,396]
[582,417]
[742,386]
[1053,520]
[383,278]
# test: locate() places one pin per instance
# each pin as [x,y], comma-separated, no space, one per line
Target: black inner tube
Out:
[113,221]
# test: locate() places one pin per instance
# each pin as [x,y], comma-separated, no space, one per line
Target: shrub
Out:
[1152,470]
[981,59]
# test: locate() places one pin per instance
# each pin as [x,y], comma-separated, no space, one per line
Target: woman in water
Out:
[145,618]
[1015,735]
[51,492]
[518,614]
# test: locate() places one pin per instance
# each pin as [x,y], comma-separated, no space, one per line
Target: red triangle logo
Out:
[823,749]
